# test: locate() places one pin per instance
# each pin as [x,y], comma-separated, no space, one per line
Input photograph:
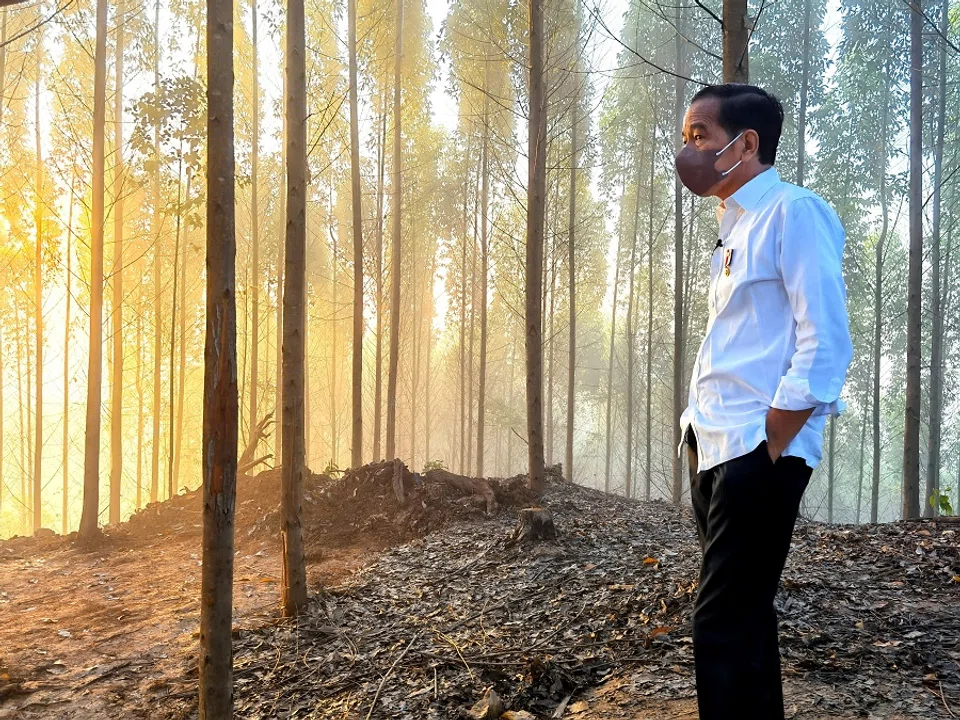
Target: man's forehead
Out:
[702,112]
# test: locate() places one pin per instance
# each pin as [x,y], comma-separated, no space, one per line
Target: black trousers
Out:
[745,511]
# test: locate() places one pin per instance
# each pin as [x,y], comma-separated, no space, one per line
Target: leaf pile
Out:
[870,615]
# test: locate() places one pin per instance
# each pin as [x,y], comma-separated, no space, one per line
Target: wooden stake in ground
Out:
[220,396]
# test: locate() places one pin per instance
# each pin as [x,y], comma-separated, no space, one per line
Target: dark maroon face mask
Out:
[697,168]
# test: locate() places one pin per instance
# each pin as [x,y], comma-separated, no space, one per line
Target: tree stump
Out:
[398,481]
[536,524]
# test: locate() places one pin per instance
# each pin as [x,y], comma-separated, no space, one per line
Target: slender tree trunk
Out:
[648,419]
[572,268]
[38,319]
[463,317]
[613,343]
[89,520]
[116,386]
[804,93]
[157,285]
[736,37]
[631,337]
[139,385]
[484,275]
[911,432]
[356,453]
[220,394]
[294,588]
[183,355]
[255,225]
[395,260]
[281,268]
[22,428]
[378,380]
[536,196]
[551,332]
[65,450]
[936,335]
[679,98]
[878,311]
[831,469]
[171,439]
[863,443]
[471,354]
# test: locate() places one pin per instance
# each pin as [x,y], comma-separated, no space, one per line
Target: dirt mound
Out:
[361,505]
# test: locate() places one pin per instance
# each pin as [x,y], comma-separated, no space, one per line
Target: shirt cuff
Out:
[794,393]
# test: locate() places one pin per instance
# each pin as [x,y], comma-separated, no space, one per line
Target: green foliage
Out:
[940,500]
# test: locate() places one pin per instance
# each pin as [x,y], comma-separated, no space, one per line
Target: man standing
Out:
[767,376]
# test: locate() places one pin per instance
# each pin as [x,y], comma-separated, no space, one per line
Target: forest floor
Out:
[425,609]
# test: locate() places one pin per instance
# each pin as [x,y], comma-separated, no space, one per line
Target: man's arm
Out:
[811,255]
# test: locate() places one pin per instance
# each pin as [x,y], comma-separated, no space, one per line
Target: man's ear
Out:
[751,145]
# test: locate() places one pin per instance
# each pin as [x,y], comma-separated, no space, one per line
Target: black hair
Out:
[747,107]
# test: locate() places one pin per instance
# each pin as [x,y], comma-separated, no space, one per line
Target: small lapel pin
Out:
[727,259]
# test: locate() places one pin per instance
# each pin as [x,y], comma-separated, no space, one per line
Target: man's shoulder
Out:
[788,196]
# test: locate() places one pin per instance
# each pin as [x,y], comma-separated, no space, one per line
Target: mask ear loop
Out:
[720,152]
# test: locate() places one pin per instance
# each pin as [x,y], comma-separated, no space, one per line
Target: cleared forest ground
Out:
[427,607]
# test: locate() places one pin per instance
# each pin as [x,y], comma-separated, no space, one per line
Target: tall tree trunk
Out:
[395,260]
[38,318]
[628,485]
[736,37]
[613,343]
[220,395]
[378,363]
[294,589]
[484,275]
[116,385]
[183,354]
[65,450]
[471,354]
[878,311]
[89,524]
[863,443]
[171,406]
[572,268]
[157,265]
[911,431]
[804,93]
[22,428]
[356,450]
[936,310]
[139,385]
[255,225]
[536,196]
[281,268]
[648,387]
[463,317]
[679,92]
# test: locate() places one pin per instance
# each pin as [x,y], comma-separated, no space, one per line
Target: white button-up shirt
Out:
[778,334]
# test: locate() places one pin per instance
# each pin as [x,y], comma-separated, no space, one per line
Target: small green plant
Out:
[332,470]
[941,500]
[434,465]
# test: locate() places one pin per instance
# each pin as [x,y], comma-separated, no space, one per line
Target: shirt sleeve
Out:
[811,264]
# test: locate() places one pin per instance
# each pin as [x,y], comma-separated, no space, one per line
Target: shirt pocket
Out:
[734,273]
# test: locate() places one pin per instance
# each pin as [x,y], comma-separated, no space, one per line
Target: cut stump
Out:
[535,524]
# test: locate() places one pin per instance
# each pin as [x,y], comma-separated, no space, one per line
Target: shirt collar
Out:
[750,194]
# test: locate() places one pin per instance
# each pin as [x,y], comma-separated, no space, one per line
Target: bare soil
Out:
[420,606]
